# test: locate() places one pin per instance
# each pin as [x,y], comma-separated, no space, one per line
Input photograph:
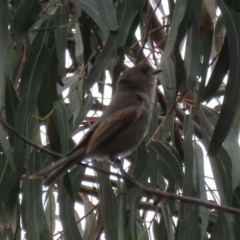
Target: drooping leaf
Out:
[221,165]
[224,228]
[231,145]
[218,73]
[50,209]
[32,192]
[200,186]
[107,14]
[190,174]
[169,84]
[167,219]
[61,32]
[60,118]
[27,13]
[125,17]
[178,15]
[6,146]
[168,161]
[232,92]
[108,203]
[3,45]
[188,226]
[90,7]
[67,217]
[11,103]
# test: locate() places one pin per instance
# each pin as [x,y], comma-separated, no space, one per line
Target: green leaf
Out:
[189,163]
[107,201]
[192,55]
[133,197]
[77,4]
[167,219]
[138,160]
[189,226]
[27,13]
[178,15]
[232,93]
[11,103]
[89,6]
[159,230]
[219,31]
[48,93]
[3,45]
[5,144]
[29,89]
[236,204]
[32,199]
[221,165]
[169,84]
[79,49]
[200,186]
[205,51]
[6,188]
[125,16]
[121,209]
[50,208]
[222,171]
[167,161]
[107,14]
[231,145]
[67,217]
[61,19]
[76,176]
[219,72]
[224,228]
[90,219]
[60,117]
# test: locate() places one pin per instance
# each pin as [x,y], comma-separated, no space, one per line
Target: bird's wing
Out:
[109,127]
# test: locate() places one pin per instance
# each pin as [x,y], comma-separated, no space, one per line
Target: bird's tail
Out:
[52,172]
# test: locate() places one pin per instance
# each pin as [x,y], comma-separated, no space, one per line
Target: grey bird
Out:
[120,129]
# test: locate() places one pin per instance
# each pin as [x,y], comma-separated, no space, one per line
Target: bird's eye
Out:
[145,70]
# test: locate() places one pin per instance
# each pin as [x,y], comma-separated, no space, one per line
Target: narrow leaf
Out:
[224,228]
[125,16]
[169,84]
[178,14]
[107,14]
[89,6]
[67,217]
[60,117]
[168,161]
[190,174]
[107,201]
[32,198]
[61,19]
[232,93]
[27,13]
[167,219]
[3,45]
[5,144]
[218,73]
[29,88]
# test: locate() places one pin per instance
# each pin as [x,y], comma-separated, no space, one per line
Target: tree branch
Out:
[132,181]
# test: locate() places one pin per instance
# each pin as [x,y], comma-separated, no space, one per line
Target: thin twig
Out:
[166,195]
[145,40]
[147,190]
[29,142]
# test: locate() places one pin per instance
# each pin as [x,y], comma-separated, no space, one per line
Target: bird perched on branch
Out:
[120,129]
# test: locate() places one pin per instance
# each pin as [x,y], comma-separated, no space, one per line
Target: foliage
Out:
[197,45]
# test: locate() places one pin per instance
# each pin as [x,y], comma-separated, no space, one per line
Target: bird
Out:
[121,128]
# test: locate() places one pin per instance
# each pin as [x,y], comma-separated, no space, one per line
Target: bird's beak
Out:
[157,71]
